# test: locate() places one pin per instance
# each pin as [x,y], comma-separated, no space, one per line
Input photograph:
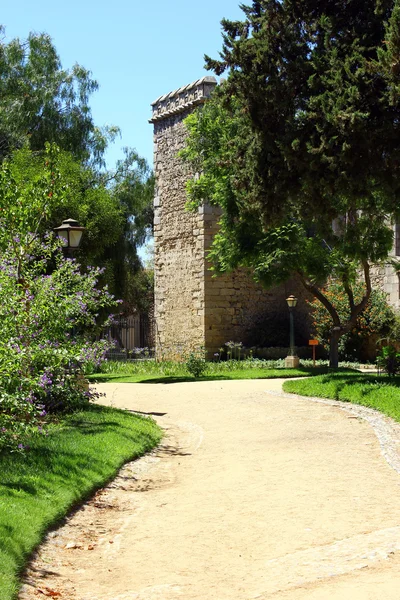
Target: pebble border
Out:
[386,429]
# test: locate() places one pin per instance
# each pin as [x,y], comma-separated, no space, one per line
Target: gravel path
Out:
[253,495]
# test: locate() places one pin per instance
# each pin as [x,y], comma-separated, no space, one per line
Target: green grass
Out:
[150,371]
[239,374]
[37,489]
[379,392]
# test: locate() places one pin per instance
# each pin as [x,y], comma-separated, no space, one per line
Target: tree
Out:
[372,326]
[299,146]
[42,102]
[133,187]
[114,207]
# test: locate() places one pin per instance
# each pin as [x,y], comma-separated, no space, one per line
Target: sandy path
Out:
[251,496]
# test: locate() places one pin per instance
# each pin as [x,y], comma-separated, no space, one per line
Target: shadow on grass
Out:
[147,414]
[227,376]
[376,391]
[59,472]
[171,379]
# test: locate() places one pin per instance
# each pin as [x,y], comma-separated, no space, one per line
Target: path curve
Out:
[251,496]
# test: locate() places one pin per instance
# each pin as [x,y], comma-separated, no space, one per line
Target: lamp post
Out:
[71,233]
[291,361]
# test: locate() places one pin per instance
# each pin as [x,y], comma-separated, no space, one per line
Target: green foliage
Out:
[114,208]
[303,134]
[132,187]
[48,323]
[42,102]
[195,363]
[379,392]
[80,454]
[50,310]
[373,323]
[389,360]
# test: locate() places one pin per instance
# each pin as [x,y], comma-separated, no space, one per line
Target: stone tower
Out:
[192,308]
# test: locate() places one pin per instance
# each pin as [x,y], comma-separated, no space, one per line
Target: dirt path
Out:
[252,496]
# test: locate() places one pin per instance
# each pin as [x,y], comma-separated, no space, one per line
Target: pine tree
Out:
[309,136]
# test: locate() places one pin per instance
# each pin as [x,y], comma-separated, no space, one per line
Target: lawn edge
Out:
[77,503]
[386,428]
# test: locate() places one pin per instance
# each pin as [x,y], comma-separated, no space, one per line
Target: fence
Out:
[129,333]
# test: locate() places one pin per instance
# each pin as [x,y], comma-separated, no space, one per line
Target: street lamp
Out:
[70,232]
[291,361]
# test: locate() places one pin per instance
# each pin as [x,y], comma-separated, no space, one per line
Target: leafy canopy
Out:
[42,102]
[299,146]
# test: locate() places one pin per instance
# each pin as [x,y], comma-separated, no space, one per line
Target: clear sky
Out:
[137,50]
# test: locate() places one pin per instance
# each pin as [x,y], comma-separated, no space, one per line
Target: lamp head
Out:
[71,232]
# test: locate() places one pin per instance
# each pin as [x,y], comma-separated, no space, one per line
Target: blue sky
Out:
[136,50]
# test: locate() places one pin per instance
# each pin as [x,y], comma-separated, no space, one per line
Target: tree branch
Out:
[357,309]
[315,291]
[349,292]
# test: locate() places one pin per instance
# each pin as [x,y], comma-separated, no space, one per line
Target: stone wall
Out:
[192,307]
[385,276]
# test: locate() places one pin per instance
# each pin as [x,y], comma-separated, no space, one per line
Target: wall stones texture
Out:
[193,308]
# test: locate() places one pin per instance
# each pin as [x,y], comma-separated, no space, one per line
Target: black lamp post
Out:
[292,360]
[71,232]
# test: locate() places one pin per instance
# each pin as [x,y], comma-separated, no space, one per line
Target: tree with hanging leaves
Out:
[300,145]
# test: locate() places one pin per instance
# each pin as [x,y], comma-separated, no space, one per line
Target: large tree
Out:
[115,207]
[41,102]
[299,146]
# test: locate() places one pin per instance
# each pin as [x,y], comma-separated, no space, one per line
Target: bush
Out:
[374,322]
[389,360]
[195,363]
[50,311]
[47,326]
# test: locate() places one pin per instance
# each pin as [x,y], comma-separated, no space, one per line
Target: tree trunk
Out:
[334,347]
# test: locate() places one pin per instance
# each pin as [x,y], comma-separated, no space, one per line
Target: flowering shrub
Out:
[48,322]
[50,312]
[375,320]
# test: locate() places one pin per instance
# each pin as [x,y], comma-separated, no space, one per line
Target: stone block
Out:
[292,362]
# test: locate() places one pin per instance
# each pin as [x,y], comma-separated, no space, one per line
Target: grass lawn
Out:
[80,454]
[380,392]
[172,372]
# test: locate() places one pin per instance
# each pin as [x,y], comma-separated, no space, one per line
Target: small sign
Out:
[313,342]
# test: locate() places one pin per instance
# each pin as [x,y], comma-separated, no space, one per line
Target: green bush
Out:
[389,360]
[373,323]
[195,364]
[50,309]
